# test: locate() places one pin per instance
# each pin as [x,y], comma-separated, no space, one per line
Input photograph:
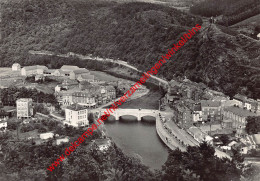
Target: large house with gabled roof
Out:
[33,70]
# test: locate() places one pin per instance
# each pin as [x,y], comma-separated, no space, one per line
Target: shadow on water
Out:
[132,120]
[138,138]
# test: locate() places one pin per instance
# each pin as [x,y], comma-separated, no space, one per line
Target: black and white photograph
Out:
[129,90]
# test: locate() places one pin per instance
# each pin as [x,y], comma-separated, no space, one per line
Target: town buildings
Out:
[86,94]
[249,104]
[211,110]
[238,117]
[84,98]
[76,116]
[199,135]
[24,108]
[74,74]
[86,77]
[62,73]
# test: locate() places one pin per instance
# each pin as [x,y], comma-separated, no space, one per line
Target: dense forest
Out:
[125,31]
[25,160]
[233,11]
[8,96]
[138,33]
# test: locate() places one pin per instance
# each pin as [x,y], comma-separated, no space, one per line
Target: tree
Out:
[224,139]
[200,162]
[253,124]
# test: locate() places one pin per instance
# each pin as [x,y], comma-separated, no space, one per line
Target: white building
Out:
[24,108]
[16,67]
[62,140]
[76,116]
[69,67]
[33,70]
[57,88]
[3,125]
[45,136]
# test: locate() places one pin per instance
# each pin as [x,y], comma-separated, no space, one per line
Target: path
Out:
[89,57]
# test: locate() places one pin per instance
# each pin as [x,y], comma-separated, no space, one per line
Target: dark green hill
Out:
[134,32]
[138,33]
[232,11]
[221,58]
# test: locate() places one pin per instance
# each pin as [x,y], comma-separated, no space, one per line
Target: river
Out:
[138,139]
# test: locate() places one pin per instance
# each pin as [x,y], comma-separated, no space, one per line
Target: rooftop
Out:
[87,76]
[50,70]
[257,138]
[197,107]
[69,67]
[24,99]
[76,107]
[210,103]
[83,94]
[240,97]
[64,71]
[240,111]
[81,71]
[35,67]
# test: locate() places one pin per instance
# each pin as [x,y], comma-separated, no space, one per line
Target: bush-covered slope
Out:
[221,58]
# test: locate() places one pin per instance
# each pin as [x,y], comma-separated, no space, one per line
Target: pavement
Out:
[181,135]
[87,57]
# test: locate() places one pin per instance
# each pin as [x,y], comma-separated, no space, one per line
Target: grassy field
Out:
[7,72]
[9,77]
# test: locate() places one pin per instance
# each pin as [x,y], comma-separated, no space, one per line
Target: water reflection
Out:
[138,139]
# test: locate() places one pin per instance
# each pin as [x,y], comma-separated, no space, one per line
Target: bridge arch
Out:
[128,117]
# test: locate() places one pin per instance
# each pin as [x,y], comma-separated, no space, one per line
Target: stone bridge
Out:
[138,113]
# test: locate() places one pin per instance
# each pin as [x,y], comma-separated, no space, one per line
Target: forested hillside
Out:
[138,33]
[221,58]
[134,32]
[233,11]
